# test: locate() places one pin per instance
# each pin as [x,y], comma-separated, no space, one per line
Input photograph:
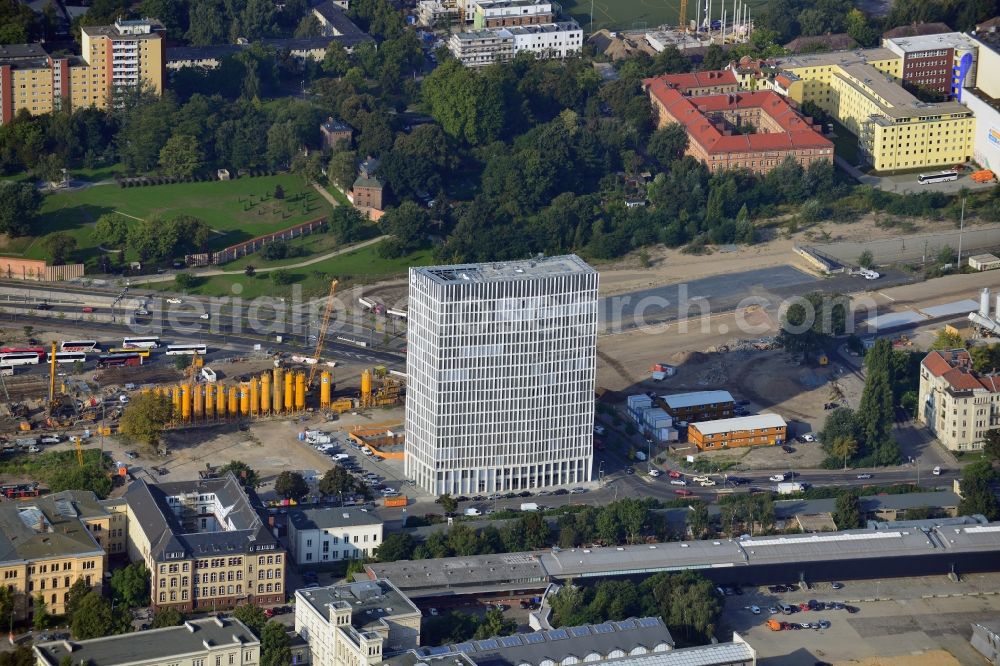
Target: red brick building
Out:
[749,130]
[709,82]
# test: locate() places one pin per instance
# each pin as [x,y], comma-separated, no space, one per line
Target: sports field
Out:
[639,14]
[237,210]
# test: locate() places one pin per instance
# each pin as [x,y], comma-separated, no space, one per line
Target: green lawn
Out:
[363,264]
[639,14]
[225,205]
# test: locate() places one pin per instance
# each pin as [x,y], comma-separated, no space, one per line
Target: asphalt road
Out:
[766,287]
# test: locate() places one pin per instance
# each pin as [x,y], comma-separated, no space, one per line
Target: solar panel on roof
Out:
[605,628]
[510,641]
[442,649]
[465,648]
[626,624]
[533,639]
[557,634]
[647,622]
[580,632]
[490,644]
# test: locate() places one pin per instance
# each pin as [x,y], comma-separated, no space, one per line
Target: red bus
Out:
[17,490]
[24,350]
[118,360]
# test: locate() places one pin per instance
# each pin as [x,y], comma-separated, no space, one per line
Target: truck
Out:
[790,488]
[529,506]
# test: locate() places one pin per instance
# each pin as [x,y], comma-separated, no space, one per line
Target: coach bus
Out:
[19,358]
[174,350]
[71,357]
[141,343]
[40,351]
[144,352]
[78,346]
[939,177]
[118,360]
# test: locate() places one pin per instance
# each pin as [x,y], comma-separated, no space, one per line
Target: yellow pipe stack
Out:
[234,408]
[265,393]
[186,402]
[325,380]
[300,391]
[289,392]
[177,400]
[254,396]
[199,403]
[209,401]
[279,385]
[244,399]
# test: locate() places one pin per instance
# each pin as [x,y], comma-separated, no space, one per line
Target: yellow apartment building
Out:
[862,90]
[206,543]
[112,57]
[48,543]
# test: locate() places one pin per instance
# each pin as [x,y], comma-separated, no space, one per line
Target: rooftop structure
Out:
[915,30]
[334,22]
[754,422]
[753,130]
[702,83]
[195,639]
[754,560]
[592,642]
[459,572]
[501,375]
[330,534]
[698,405]
[835,42]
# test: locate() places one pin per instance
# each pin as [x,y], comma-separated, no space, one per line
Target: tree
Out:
[92,618]
[251,615]
[77,592]
[291,485]
[180,156]
[275,645]
[698,519]
[991,444]
[946,255]
[342,169]
[130,585]
[40,613]
[245,474]
[844,446]
[167,617]
[111,231]
[668,144]
[6,601]
[279,192]
[408,224]
[847,514]
[395,546]
[205,18]
[282,277]
[19,204]
[948,339]
[337,60]
[250,270]
[186,281]
[59,246]
[875,415]
[866,259]
[977,491]
[811,321]
[335,480]
[495,624]
[145,418]
[448,503]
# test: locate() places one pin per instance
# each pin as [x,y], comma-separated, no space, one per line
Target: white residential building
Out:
[504,13]
[501,371]
[549,40]
[356,624]
[956,403]
[482,47]
[331,534]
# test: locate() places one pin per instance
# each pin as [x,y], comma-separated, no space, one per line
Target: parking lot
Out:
[925,620]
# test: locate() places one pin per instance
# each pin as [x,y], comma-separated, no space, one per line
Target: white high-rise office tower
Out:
[501,370]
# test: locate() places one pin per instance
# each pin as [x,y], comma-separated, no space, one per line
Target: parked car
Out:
[174,300]
[864,476]
[678,482]
[836,585]
[653,472]
[673,474]
[936,471]
[706,483]
[683,493]
[577,491]
[754,609]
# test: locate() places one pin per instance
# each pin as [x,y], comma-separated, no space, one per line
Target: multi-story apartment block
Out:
[318,536]
[508,13]
[501,370]
[207,544]
[548,40]
[112,57]
[942,63]
[482,47]
[212,641]
[862,90]
[752,130]
[698,405]
[356,624]
[756,430]
[956,403]
[48,543]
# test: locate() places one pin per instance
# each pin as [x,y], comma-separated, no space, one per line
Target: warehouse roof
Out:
[318,519]
[736,652]
[755,422]
[151,646]
[457,571]
[695,398]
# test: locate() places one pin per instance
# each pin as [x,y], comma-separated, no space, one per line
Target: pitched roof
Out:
[689,80]
[692,113]
[916,30]
[739,424]
[954,366]
[51,526]
[835,42]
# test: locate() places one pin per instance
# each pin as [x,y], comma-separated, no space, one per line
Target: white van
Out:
[937,471]
[473,511]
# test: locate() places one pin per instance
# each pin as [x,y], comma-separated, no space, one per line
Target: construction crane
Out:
[52,375]
[321,334]
[79,451]
[682,15]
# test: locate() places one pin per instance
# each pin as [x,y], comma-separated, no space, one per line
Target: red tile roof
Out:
[690,112]
[955,367]
[689,80]
[940,362]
